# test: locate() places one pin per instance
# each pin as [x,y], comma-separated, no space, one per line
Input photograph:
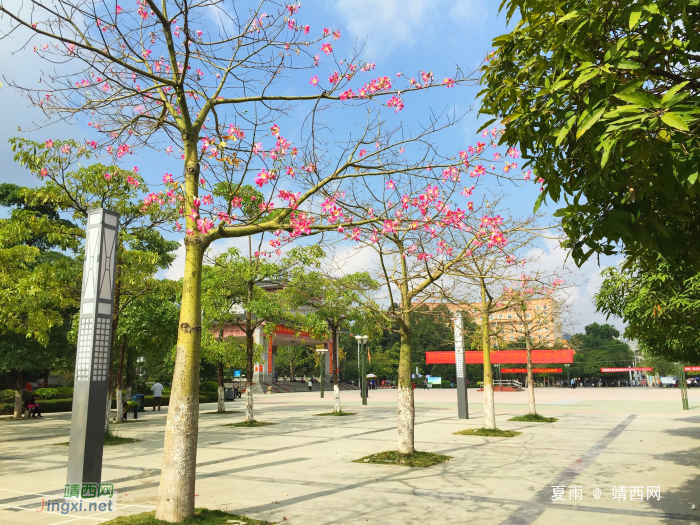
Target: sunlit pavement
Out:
[301,468]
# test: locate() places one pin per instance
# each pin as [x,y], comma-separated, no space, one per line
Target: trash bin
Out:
[139,399]
[228,394]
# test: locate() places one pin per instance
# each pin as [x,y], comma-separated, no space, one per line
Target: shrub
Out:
[209,386]
[208,397]
[7,396]
[7,409]
[446,384]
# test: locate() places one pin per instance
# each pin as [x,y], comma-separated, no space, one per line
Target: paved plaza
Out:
[301,468]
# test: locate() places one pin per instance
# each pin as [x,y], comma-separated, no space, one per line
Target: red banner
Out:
[691,368]
[503,357]
[534,370]
[628,369]
[269,355]
[330,356]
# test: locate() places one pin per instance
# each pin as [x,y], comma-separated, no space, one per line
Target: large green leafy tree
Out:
[73,185]
[599,347]
[323,305]
[661,305]
[241,290]
[38,288]
[602,97]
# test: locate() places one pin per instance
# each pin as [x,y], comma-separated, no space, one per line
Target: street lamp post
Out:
[568,381]
[93,348]
[362,340]
[322,353]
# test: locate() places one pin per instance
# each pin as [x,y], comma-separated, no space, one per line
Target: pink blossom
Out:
[204,225]
[236,202]
[477,171]
[336,34]
[326,31]
[135,169]
[196,202]
[178,227]
[449,82]
[396,102]
[257,147]
[207,200]
[199,33]
[306,29]
[334,78]
[131,180]
[108,176]
[264,177]
[65,148]
[347,95]
[48,144]
[44,172]
[167,178]
[327,48]
[314,80]
[390,185]
[363,152]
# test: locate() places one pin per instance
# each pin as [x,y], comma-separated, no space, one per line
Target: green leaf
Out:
[569,16]
[592,119]
[585,77]
[635,16]
[580,53]
[693,177]
[637,98]
[560,84]
[675,89]
[625,64]
[675,121]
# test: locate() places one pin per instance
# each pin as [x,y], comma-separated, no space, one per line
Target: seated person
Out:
[32,406]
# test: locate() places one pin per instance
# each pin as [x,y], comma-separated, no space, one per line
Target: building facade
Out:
[541,319]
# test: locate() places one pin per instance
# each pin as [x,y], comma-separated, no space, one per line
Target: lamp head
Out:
[322,350]
[365,338]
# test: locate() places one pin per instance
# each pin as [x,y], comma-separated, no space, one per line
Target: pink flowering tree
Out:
[536,304]
[200,81]
[432,224]
[491,280]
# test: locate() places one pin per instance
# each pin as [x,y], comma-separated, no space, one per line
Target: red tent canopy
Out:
[502,356]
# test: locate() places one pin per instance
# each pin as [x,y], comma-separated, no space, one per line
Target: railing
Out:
[513,383]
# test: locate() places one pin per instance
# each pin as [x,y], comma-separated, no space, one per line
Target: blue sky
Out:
[406,35]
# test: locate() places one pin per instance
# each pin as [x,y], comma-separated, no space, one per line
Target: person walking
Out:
[157,390]
[311,385]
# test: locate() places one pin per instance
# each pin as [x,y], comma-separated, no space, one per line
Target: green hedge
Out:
[7,396]
[66,405]
[209,386]
[47,406]
[60,392]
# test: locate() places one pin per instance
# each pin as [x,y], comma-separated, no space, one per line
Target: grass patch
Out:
[536,418]
[201,517]
[111,438]
[488,432]
[417,459]
[341,413]
[253,423]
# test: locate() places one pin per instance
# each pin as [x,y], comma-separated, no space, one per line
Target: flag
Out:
[369,356]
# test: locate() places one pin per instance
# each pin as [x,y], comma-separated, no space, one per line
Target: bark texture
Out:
[405,408]
[489,411]
[334,364]
[530,381]
[220,376]
[177,481]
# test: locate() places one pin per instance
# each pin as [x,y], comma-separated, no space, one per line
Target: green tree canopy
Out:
[602,97]
[661,305]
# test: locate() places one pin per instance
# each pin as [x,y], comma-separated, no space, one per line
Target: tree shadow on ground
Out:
[678,502]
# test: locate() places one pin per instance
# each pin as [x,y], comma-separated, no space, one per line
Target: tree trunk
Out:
[336,387]
[19,404]
[249,372]
[405,408]
[222,405]
[530,380]
[177,480]
[120,379]
[489,411]
[115,325]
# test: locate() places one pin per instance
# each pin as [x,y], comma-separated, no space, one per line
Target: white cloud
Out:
[390,24]
[584,283]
